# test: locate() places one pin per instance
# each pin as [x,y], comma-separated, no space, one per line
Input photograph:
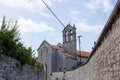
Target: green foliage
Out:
[10,44]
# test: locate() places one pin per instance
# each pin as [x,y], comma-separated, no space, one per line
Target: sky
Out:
[36,23]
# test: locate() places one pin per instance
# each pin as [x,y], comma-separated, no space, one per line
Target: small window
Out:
[41,56]
[67,36]
[71,35]
[45,52]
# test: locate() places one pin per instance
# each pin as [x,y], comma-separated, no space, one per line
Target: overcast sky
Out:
[36,23]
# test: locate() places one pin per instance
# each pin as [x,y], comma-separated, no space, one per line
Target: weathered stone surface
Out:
[105,61]
[11,69]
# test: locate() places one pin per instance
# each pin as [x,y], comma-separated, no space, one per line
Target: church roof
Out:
[79,53]
[70,55]
[43,43]
[58,47]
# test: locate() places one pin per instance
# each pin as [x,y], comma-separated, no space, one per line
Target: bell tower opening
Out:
[69,39]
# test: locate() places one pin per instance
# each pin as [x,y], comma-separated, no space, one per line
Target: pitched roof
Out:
[79,53]
[83,54]
[70,55]
[44,42]
[58,47]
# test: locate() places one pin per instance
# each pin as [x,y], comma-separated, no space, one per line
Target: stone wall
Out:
[11,69]
[104,62]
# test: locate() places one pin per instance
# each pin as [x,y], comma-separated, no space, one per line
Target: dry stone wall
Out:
[11,69]
[104,64]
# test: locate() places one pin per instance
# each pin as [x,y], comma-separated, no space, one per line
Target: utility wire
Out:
[53,14]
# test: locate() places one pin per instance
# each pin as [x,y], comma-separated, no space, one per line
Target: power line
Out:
[53,13]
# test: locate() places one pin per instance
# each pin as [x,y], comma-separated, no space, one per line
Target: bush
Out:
[11,45]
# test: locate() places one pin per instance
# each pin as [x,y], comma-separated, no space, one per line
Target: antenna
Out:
[80,47]
[53,14]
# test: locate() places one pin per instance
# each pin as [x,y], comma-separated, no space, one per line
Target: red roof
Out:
[83,54]
[58,47]
[79,53]
[70,55]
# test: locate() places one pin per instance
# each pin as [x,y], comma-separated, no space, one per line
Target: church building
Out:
[60,57]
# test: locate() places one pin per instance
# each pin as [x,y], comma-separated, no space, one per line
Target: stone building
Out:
[60,57]
[104,61]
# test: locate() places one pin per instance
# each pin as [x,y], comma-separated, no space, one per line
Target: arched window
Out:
[41,54]
[45,51]
[67,35]
[71,35]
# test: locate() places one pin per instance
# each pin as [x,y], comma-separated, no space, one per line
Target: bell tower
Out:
[69,39]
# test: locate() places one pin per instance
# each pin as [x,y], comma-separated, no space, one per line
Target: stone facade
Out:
[53,60]
[45,57]
[11,69]
[69,39]
[60,57]
[104,62]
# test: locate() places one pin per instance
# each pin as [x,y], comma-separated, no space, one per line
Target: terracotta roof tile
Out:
[83,54]
[79,53]
[58,47]
[69,55]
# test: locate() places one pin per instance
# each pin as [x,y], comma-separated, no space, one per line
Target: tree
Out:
[11,45]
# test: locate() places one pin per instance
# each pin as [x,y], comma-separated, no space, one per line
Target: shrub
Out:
[11,45]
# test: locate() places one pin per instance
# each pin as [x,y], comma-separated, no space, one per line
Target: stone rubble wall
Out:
[11,69]
[104,63]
